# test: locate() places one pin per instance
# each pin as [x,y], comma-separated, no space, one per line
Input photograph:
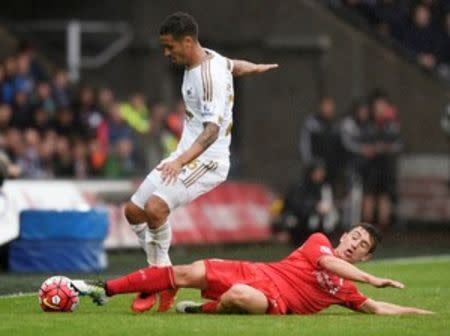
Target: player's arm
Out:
[348,271]
[242,68]
[385,308]
[170,170]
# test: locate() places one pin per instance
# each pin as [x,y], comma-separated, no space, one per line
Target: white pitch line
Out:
[412,260]
[16,295]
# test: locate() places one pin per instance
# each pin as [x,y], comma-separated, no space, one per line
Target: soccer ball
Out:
[57,295]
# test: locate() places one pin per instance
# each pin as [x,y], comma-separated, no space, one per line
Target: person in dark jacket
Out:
[380,179]
[319,139]
[308,206]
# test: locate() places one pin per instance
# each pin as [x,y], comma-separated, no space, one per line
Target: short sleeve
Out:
[350,296]
[315,247]
[213,92]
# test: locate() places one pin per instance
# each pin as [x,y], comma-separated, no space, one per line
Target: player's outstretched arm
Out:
[351,272]
[385,308]
[242,68]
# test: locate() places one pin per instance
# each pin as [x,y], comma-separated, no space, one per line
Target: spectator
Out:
[47,153]
[14,144]
[391,18]
[29,160]
[2,81]
[135,113]
[357,137]
[113,128]
[23,80]
[105,100]
[88,117]
[22,112]
[444,46]
[5,118]
[308,205]
[65,124]
[175,120]
[60,89]
[380,184]
[81,163]
[421,38]
[36,71]
[320,139]
[8,88]
[63,160]
[120,163]
[44,97]
[163,142]
[41,120]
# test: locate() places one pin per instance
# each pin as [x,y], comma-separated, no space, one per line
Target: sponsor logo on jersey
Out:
[325,249]
[206,110]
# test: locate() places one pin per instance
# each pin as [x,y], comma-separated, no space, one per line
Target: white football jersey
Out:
[208,95]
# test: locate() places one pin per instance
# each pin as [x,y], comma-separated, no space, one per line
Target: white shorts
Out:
[195,179]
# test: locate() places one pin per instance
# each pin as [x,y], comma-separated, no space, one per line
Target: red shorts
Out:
[222,274]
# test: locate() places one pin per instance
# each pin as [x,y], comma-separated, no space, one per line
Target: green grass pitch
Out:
[427,281]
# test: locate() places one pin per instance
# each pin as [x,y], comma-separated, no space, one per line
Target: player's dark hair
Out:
[179,25]
[374,234]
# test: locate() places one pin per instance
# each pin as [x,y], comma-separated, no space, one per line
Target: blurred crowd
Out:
[422,26]
[350,168]
[50,128]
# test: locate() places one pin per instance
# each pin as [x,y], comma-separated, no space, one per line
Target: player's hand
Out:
[169,171]
[260,68]
[382,283]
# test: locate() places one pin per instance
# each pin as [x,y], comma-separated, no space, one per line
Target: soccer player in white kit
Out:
[201,160]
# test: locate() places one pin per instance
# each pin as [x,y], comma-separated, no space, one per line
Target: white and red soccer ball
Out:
[57,295]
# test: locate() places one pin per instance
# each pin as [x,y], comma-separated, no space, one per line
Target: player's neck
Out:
[198,56]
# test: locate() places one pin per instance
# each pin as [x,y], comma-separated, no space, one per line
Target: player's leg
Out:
[243,298]
[138,220]
[149,280]
[240,298]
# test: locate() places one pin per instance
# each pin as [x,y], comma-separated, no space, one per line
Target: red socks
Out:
[147,280]
[210,307]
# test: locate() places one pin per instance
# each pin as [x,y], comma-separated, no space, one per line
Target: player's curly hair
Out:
[374,234]
[179,25]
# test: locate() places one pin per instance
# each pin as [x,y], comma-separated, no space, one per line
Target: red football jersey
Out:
[305,287]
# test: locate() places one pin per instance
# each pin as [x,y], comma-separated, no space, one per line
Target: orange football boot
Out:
[167,299]
[143,302]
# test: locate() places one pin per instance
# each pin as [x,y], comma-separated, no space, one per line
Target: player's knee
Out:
[134,214]
[182,275]
[189,275]
[238,295]
[157,212]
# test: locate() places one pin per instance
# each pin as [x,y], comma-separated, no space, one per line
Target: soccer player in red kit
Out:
[309,280]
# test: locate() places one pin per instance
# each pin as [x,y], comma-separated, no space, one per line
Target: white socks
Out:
[157,243]
[140,229]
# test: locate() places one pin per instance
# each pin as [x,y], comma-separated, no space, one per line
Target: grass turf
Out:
[427,281]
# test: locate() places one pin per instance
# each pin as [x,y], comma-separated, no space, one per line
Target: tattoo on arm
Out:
[208,136]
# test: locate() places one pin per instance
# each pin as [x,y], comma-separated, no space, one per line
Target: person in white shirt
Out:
[201,160]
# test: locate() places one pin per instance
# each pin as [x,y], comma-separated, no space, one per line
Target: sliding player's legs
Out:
[231,298]
[243,298]
[236,287]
